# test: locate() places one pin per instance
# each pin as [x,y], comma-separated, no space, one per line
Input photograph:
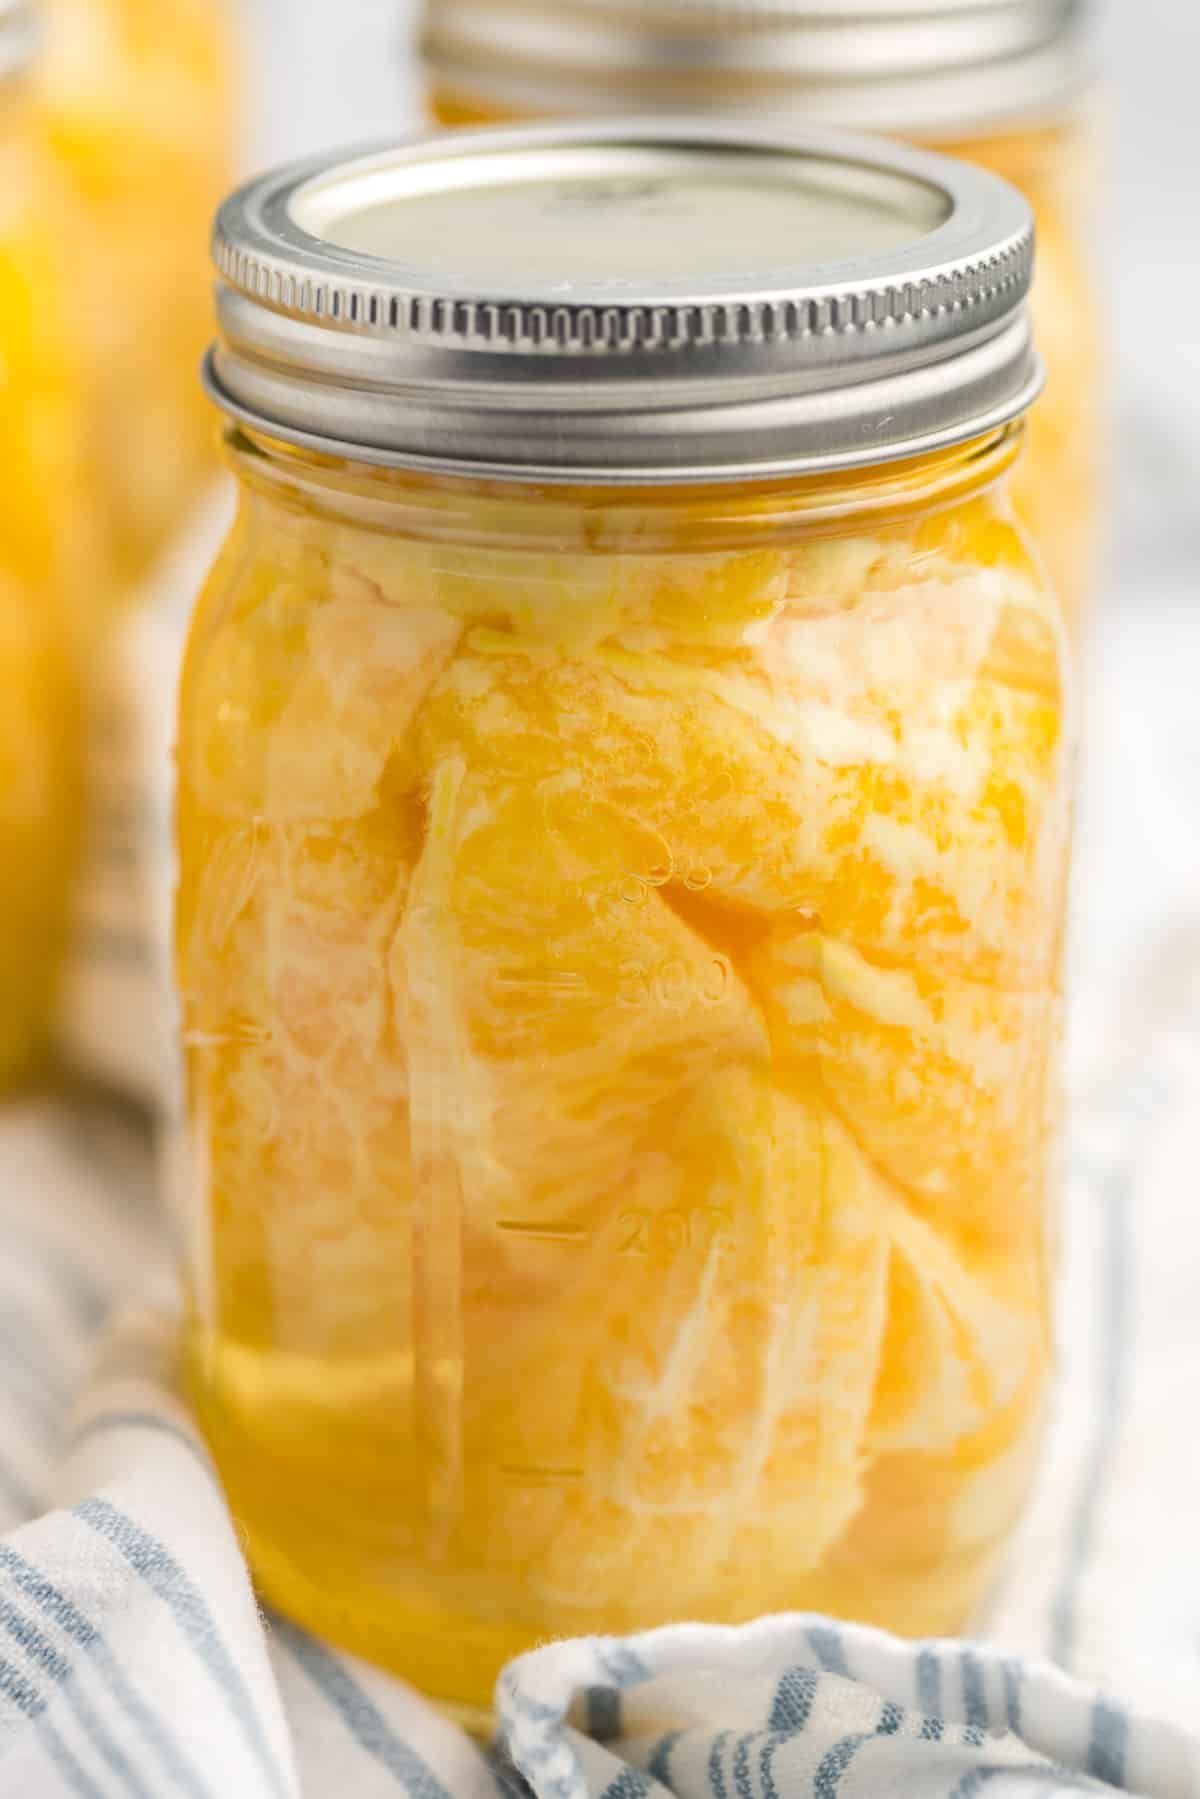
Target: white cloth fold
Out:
[135,1662]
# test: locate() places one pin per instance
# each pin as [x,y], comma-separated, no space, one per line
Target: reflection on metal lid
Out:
[618,213]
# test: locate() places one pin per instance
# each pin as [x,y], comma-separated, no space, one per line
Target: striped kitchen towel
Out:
[798,1705]
[135,1662]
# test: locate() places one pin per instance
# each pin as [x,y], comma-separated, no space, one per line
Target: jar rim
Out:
[460,507]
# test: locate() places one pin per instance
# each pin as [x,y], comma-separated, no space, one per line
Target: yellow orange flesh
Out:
[44,551]
[620,992]
[1058,483]
[138,100]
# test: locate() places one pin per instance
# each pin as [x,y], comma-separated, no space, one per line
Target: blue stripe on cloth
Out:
[828,1777]
[42,1653]
[766,1763]
[131,1785]
[891,1717]
[1012,1697]
[543,1753]
[359,1714]
[166,1579]
[716,1774]
[38,1648]
[833,1765]
[975,1703]
[630,1783]
[76,1778]
[929,1683]
[19,1690]
[1108,1743]
[793,1701]
[603,1713]
[741,1767]
[536,1710]
[512,1783]
[623,1665]
[970,1783]
[829,1649]
[72,1622]
[659,1765]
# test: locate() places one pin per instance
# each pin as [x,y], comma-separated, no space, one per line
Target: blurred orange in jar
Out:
[622,831]
[47,573]
[996,82]
[139,99]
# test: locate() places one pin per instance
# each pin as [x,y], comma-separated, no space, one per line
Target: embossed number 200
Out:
[669,1233]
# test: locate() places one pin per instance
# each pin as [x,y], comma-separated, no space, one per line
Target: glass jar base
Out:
[455,1664]
[337,1558]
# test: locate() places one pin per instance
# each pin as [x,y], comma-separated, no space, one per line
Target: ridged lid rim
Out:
[921,344]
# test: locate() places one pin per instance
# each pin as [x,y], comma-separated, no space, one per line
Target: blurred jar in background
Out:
[622,829]
[1000,82]
[48,572]
[116,1013]
[139,97]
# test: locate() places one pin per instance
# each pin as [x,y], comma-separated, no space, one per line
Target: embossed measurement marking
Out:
[548,1232]
[240,1031]
[551,986]
[542,1477]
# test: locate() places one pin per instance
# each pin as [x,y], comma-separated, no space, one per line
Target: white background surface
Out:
[340,71]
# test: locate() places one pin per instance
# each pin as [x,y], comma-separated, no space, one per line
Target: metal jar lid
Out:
[625,302]
[919,68]
[19,37]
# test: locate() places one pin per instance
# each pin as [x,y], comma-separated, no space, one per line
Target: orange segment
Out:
[941,1079]
[295,1060]
[306,693]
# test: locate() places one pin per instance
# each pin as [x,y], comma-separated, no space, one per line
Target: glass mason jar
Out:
[139,104]
[622,828]
[1002,83]
[44,549]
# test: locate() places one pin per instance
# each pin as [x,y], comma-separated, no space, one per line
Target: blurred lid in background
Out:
[626,302]
[19,35]
[933,68]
